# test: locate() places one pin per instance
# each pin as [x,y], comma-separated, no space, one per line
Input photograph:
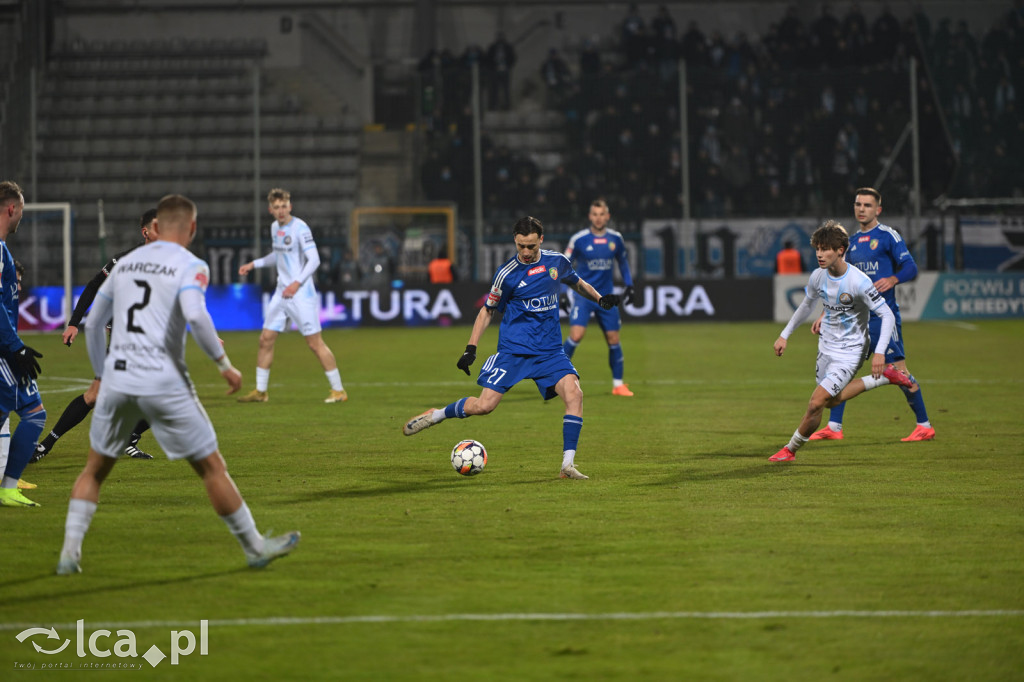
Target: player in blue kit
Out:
[593,253]
[19,365]
[880,252]
[525,290]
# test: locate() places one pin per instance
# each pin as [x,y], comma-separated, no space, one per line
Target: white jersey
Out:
[147,338]
[294,248]
[849,301]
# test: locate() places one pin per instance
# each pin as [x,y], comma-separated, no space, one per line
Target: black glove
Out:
[627,295]
[610,301]
[564,303]
[27,363]
[467,359]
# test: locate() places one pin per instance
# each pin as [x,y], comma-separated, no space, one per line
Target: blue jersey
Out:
[9,340]
[881,252]
[594,256]
[527,295]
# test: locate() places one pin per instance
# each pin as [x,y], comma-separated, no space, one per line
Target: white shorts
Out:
[833,372]
[178,421]
[304,311]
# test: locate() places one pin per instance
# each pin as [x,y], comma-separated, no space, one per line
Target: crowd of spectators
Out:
[784,123]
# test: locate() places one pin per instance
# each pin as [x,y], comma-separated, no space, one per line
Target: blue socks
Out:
[615,361]
[571,427]
[835,415]
[23,442]
[916,402]
[569,347]
[456,410]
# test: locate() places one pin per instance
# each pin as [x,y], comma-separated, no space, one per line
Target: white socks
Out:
[334,377]
[243,526]
[5,443]
[870,382]
[76,526]
[796,442]
[262,379]
[567,458]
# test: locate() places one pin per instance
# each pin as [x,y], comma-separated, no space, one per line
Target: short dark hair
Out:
[19,269]
[147,217]
[528,225]
[10,191]
[871,192]
[831,235]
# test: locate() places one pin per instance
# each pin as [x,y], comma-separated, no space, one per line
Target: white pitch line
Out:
[493,617]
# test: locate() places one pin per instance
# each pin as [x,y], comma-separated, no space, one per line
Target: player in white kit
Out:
[295,298]
[150,298]
[849,298]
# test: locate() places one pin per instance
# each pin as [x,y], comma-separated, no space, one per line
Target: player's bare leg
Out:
[568,388]
[230,506]
[820,399]
[264,359]
[330,365]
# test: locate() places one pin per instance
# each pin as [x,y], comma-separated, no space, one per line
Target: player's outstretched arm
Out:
[265,262]
[584,288]
[480,324]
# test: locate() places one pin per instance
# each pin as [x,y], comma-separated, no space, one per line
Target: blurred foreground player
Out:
[152,297]
[19,364]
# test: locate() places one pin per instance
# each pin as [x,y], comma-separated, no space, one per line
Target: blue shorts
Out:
[894,351]
[17,391]
[502,371]
[583,308]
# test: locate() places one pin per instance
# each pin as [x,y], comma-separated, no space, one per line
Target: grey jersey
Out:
[143,296]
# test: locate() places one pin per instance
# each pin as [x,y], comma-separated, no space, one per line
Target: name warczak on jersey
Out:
[527,296]
[148,326]
[149,269]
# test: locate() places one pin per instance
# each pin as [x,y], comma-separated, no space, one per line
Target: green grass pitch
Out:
[687,556]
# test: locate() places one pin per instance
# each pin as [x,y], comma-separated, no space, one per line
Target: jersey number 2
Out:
[132,327]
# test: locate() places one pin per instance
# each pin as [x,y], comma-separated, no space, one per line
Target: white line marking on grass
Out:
[444,618]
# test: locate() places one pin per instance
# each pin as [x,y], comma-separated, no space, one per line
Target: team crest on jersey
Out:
[873,245]
[554,273]
[845,298]
[288,240]
[534,271]
[611,247]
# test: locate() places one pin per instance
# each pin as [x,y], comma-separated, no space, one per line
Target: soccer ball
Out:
[469,457]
